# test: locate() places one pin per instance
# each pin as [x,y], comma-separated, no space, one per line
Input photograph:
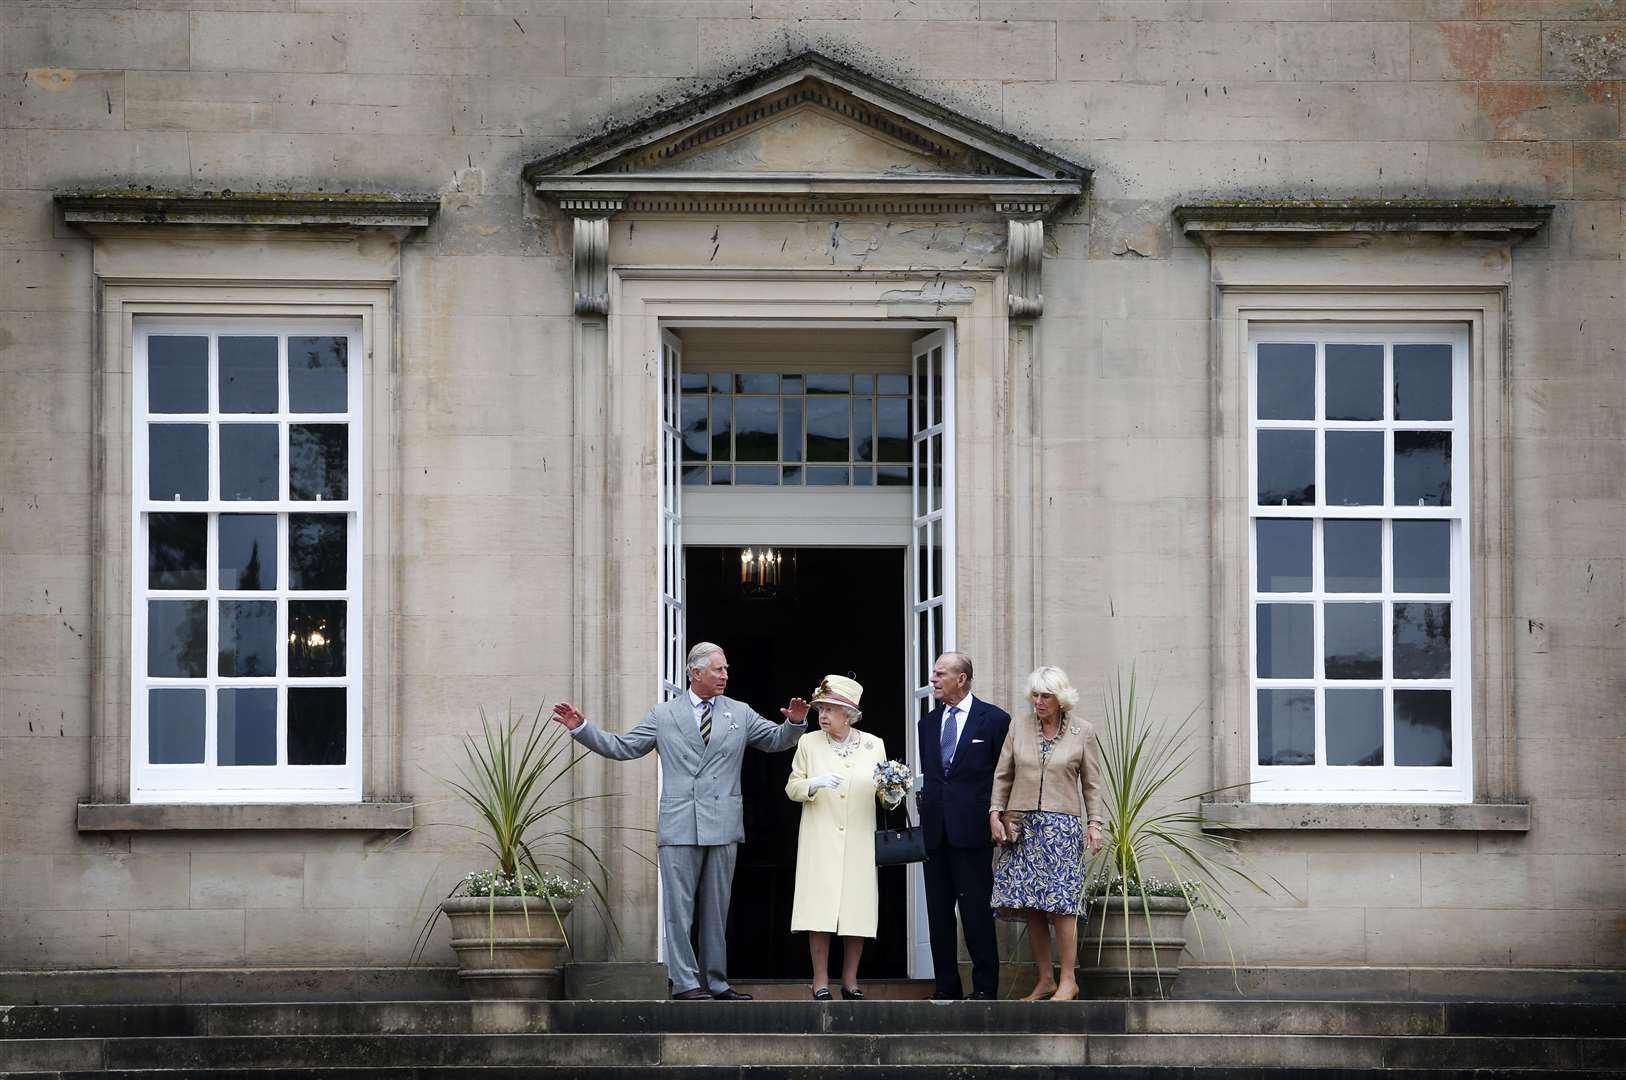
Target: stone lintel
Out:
[1214,222]
[1416,817]
[256,208]
[159,817]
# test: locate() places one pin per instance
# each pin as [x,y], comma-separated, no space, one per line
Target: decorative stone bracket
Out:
[591,250]
[1024,256]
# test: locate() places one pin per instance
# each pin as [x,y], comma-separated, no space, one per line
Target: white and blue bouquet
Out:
[893,779]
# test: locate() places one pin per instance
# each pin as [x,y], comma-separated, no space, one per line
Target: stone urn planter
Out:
[1103,966]
[505,951]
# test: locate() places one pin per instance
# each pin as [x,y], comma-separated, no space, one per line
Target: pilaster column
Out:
[591,250]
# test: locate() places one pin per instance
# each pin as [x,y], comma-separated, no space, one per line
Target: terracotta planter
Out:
[504,951]
[1102,962]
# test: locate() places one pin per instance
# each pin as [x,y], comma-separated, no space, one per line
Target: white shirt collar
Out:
[963,707]
[695,699]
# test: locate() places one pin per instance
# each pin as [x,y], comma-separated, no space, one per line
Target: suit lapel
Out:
[721,718]
[688,722]
[966,731]
[932,739]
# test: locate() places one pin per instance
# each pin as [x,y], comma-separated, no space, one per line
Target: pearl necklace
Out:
[847,747]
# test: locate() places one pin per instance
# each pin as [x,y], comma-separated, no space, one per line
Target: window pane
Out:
[318,379]
[246,726]
[757,383]
[756,474]
[1354,727]
[1422,727]
[318,461]
[316,727]
[248,462]
[316,638]
[756,429]
[722,475]
[792,445]
[896,385]
[827,384]
[1354,382]
[248,551]
[690,381]
[694,474]
[863,384]
[1286,382]
[316,551]
[827,430]
[791,475]
[1354,641]
[1422,382]
[175,724]
[1283,555]
[790,384]
[178,462]
[1422,554]
[177,374]
[892,429]
[177,551]
[177,638]
[721,382]
[1287,727]
[1286,468]
[863,429]
[826,476]
[1352,555]
[1286,635]
[1422,641]
[864,476]
[892,475]
[722,429]
[248,638]
[695,432]
[1354,468]
[1422,468]
[248,374]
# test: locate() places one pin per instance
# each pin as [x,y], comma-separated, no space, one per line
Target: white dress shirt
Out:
[963,709]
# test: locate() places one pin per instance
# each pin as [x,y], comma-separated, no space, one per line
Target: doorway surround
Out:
[772,168]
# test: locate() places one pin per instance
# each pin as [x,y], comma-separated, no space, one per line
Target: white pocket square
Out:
[976,740]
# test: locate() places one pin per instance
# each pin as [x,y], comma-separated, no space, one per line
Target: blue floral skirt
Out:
[1045,870]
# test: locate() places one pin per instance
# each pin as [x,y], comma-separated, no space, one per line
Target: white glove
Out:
[828,780]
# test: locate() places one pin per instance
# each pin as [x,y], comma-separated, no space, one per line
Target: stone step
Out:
[1404,1018]
[661,1050]
[810,1072]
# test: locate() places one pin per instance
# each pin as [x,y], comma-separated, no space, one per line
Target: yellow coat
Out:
[835,849]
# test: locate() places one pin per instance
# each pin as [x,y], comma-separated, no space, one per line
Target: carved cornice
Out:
[247,208]
[1495,219]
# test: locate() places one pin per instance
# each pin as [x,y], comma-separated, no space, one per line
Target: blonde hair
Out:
[1054,681]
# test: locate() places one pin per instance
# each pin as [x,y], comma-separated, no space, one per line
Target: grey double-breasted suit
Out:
[701,817]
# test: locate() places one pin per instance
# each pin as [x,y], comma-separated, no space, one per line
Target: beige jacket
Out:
[1074,771]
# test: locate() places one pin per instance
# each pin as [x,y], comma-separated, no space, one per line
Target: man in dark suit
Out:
[960,741]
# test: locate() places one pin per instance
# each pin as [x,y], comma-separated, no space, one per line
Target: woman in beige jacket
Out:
[1048,776]
[833,777]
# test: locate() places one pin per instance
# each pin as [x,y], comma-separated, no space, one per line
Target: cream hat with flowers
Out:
[838,690]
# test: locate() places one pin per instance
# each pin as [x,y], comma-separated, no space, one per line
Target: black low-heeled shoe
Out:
[822,994]
[851,995]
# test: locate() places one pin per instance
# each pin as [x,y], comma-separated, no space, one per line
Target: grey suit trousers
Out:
[697,880]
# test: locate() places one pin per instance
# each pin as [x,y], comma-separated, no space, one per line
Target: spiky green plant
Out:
[1151,830]
[510,780]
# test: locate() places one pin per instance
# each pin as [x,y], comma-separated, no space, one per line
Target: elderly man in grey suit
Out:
[701,738]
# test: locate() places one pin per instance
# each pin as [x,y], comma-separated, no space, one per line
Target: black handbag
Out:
[898,847]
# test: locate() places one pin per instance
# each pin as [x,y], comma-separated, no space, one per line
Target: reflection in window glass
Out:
[1422,555]
[1287,727]
[177,551]
[1283,556]
[316,551]
[316,638]
[1422,468]
[175,726]
[1286,465]
[248,374]
[1422,382]
[248,551]
[318,461]
[696,433]
[246,722]
[177,374]
[178,462]
[1354,382]
[1352,555]
[827,430]
[318,375]
[756,383]
[1422,727]
[756,475]
[177,638]
[756,428]
[1354,727]
[248,638]
[248,462]
[827,384]
[1422,646]
[316,725]
[826,476]
[1353,641]
[722,429]
[1354,468]
[1286,640]
[1286,384]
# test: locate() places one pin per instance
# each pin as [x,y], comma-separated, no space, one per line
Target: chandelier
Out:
[760,572]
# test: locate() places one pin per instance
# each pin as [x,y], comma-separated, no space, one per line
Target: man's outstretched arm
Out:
[634,744]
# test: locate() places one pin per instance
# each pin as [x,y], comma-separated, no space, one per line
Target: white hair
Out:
[1054,681]
[700,654]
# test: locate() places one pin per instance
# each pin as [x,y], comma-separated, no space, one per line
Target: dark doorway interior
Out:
[836,610]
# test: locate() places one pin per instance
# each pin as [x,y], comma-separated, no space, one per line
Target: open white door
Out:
[931,569]
[674,645]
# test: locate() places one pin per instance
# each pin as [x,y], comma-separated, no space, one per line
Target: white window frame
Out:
[209,781]
[1388,782]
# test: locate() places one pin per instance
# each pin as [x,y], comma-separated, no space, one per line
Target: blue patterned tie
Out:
[705,722]
[949,739]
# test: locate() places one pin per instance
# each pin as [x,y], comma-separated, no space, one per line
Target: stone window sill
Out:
[1419,817]
[393,816]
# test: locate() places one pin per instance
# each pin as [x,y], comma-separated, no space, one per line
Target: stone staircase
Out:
[784,1040]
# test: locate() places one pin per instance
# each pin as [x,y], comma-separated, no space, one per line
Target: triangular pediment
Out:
[809,128]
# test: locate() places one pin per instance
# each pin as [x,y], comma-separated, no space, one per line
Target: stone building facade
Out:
[1277,346]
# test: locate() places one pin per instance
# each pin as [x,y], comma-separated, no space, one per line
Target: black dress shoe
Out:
[980,996]
[947,997]
[731,994]
[822,994]
[697,994]
[854,994]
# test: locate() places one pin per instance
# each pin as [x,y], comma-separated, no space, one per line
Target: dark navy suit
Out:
[959,865]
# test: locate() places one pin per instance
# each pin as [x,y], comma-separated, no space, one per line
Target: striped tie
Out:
[705,722]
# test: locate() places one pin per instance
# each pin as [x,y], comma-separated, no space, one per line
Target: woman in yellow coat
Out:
[833,777]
